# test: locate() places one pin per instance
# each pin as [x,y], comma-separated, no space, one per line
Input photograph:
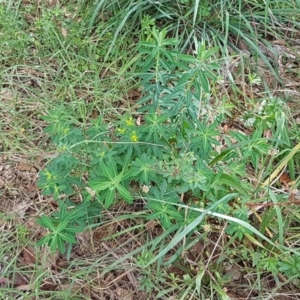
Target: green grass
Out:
[85,57]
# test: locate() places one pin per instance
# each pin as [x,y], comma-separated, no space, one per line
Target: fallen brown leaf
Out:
[28,256]
[48,286]
[284,179]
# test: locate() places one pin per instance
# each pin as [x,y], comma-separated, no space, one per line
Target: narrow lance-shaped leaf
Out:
[124,193]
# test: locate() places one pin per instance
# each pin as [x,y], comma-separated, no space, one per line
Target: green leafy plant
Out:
[176,83]
[167,155]
[290,266]
[168,158]
[62,226]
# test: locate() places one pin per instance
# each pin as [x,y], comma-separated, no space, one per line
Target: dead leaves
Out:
[31,259]
[17,179]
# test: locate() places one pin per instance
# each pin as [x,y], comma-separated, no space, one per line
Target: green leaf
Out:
[60,244]
[108,172]
[99,185]
[46,222]
[125,193]
[108,197]
[221,157]
[74,229]
[67,237]
[233,182]
[204,81]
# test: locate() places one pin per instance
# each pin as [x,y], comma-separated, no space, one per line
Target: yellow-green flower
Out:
[134,137]
[129,121]
[49,175]
[121,130]
[101,153]
[66,130]
[62,149]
